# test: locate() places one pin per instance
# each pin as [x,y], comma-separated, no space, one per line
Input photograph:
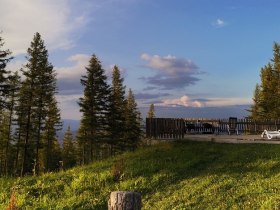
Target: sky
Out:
[191,58]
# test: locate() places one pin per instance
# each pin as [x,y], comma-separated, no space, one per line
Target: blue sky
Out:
[191,58]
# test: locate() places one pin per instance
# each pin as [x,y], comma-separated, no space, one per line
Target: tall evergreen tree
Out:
[68,151]
[23,130]
[257,109]
[4,142]
[117,111]
[7,117]
[151,112]
[4,114]
[51,150]
[4,59]
[268,90]
[133,122]
[275,81]
[82,145]
[11,101]
[94,106]
[266,102]
[36,95]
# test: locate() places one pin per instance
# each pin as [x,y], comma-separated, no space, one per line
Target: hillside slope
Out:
[179,175]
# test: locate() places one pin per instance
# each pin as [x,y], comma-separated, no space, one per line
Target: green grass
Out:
[179,175]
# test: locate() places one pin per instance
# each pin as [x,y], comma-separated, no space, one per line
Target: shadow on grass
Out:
[155,169]
[169,164]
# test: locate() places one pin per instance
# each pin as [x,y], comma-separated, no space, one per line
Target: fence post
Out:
[124,200]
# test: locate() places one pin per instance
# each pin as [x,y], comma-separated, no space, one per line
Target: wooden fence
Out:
[165,128]
[174,128]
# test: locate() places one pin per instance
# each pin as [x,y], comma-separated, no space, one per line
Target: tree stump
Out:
[124,200]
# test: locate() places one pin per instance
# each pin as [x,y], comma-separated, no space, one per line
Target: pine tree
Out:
[151,112]
[4,143]
[4,59]
[23,130]
[36,95]
[68,152]
[266,102]
[4,114]
[133,123]
[11,101]
[82,146]
[275,81]
[94,106]
[256,109]
[117,112]
[268,91]
[51,153]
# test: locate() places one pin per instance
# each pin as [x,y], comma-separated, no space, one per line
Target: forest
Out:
[30,116]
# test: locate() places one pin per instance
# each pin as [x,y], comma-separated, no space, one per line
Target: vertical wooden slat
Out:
[174,128]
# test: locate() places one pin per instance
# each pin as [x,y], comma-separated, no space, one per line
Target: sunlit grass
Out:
[179,175]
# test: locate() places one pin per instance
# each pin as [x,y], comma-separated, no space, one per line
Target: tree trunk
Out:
[123,200]
[25,161]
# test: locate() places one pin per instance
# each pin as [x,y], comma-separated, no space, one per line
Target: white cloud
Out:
[170,64]
[75,71]
[182,101]
[219,23]
[53,19]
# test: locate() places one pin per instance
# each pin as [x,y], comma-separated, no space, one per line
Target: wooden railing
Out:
[175,128]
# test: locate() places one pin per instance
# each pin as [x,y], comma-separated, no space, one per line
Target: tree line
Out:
[30,116]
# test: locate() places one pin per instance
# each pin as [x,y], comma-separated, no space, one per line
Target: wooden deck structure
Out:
[177,128]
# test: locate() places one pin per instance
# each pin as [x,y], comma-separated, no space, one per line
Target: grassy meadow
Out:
[178,175]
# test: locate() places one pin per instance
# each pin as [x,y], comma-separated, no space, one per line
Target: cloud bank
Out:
[172,72]
[187,101]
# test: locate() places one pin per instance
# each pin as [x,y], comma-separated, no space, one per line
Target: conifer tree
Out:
[68,151]
[36,95]
[10,104]
[117,106]
[151,112]
[4,143]
[4,59]
[94,106]
[268,91]
[82,149]
[256,109]
[23,117]
[4,113]
[275,81]
[133,122]
[51,150]
[266,102]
